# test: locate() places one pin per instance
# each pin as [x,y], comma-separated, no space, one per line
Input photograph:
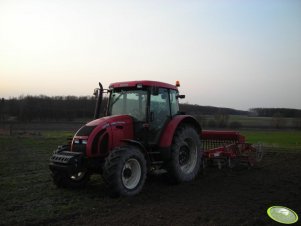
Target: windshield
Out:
[129,102]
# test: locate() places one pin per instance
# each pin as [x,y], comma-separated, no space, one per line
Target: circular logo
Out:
[282,214]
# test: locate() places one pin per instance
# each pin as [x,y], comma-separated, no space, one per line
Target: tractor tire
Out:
[186,155]
[125,171]
[77,180]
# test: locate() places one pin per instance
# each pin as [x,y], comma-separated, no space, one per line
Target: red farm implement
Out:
[228,148]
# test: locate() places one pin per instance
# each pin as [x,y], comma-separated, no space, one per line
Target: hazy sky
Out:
[237,54]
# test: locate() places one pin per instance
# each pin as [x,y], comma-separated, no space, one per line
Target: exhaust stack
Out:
[98,93]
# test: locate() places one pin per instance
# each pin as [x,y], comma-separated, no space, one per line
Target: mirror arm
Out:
[180,96]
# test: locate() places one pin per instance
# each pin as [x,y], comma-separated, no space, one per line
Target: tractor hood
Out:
[101,135]
[110,121]
[103,123]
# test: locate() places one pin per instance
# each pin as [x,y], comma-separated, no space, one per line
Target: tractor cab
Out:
[151,105]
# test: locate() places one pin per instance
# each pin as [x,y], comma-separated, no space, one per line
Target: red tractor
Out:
[142,131]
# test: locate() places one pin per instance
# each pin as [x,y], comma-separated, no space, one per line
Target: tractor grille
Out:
[79,148]
[95,147]
[64,157]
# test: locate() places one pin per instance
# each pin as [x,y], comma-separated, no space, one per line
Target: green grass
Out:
[276,139]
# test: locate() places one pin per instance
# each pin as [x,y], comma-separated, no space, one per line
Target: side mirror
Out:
[164,96]
[180,96]
[95,93]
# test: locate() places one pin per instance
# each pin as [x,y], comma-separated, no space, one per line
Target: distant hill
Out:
[194,109]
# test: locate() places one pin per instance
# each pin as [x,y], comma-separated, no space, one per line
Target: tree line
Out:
[209,110]
[43,108]
[57,108]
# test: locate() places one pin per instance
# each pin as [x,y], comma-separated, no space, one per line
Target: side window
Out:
[160,105]
[174,102]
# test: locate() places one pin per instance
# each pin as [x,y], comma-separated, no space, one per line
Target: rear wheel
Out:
[125,171]
[186,155]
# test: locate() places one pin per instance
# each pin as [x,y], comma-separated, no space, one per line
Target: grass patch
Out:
[275,139]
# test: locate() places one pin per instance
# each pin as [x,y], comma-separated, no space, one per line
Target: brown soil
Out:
[216,197]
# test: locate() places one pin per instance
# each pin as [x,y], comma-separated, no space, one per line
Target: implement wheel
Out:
[186,155]
[125,171]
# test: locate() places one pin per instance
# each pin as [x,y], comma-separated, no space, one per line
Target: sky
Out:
[237,54]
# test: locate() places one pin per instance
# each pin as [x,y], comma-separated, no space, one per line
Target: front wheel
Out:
[125,171]
[186,155]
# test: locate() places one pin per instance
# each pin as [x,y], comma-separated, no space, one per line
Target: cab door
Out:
[160,114]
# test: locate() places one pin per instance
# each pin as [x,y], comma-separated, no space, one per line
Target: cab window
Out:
[174,105]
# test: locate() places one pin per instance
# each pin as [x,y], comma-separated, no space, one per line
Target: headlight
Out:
[84,141]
